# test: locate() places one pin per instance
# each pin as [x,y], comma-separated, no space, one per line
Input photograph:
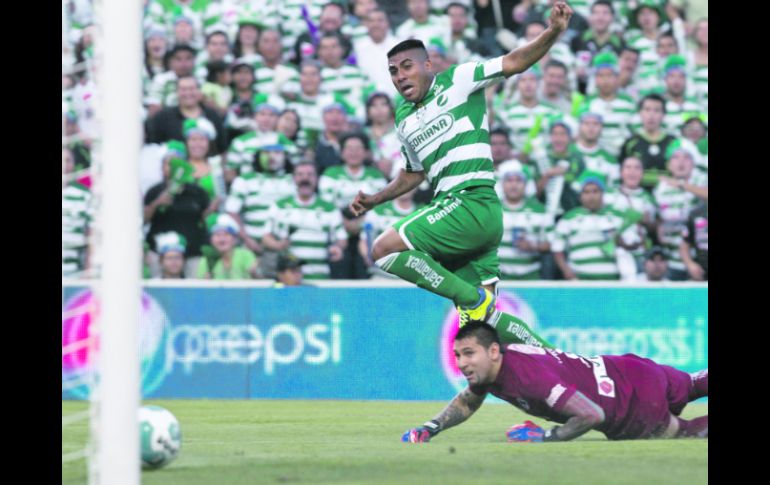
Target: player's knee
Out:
[382,247]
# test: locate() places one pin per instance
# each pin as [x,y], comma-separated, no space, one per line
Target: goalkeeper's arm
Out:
[458,410]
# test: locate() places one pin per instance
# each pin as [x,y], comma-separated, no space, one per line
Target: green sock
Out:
[513,330]
[422,270]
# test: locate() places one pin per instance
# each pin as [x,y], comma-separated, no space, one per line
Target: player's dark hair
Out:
[406,45]
[485,335]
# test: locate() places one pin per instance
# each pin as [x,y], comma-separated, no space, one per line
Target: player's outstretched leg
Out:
[421,269]
[513,330]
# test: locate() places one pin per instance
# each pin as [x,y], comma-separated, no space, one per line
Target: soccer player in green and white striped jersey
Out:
[586,237]
[252,194]
[309,227]
[450,246]
[527,228]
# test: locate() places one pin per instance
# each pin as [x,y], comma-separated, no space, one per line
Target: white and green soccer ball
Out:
[161,438]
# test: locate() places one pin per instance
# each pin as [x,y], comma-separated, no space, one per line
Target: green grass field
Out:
[248,442]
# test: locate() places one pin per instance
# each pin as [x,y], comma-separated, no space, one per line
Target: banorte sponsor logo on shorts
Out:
[78,365]
[508,302]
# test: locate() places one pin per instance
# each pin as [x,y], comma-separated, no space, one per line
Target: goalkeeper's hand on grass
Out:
[423,434]
[528,432]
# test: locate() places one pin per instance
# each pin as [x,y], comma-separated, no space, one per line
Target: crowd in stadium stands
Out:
[264,118]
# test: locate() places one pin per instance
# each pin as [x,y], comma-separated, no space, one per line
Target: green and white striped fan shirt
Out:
[75,217]
[251,195]
[521,119]
[311,228]
[599,160]
[339,186]
[617,118]
[447,133]
[276,80]
[529,221]
[243,148]
[677,113]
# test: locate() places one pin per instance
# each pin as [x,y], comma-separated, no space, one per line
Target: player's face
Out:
[513,187]
[197,146]
[474,361]
[676,83]
[411,74]
[651,114]
[590,129]
[606,82]
[600,18]
[680,165]
[631,173]
[591,197]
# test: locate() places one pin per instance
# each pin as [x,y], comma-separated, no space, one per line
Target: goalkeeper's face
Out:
[476,362]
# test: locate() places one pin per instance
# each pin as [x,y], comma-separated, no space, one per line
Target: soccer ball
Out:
[161,438]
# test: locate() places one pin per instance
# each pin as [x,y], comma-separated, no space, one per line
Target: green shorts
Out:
[462,231]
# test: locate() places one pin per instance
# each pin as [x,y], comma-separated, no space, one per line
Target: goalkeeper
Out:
[624,397]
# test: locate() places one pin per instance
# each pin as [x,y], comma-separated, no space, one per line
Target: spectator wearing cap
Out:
[327,152]
[676,196]
[227,260]
[207,168]
[177,204]
[598,38]
[650,143]
[615,108]
[586,238]
[648,21]
[288,271]
[76,215]
[168,123]
[372,48]
[678,104]
[524,114]
[242,150]
[527,228]
[655,265]
[252,194]
[306,225]
[423,25]
[330,23]
[597,158]
[162,91]
[694,248]
[171,251]
[559,166]
[341,79]
[272,75]
[437,54]
[239,119]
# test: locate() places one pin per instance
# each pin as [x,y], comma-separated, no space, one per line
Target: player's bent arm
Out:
[584,416]
[459,409]
[403,183]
